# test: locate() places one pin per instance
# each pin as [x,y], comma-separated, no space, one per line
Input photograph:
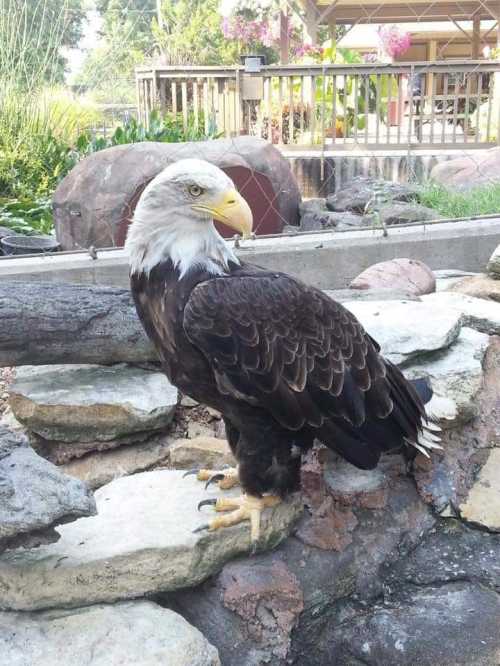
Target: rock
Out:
[186,401]
[141,542]
[445,479]
[351,486]
[60,452]
[34,495]
[343,295]
[405,213]
[493,267]
[138,632]
[392,324]
[450,552]
[445,279]
[482,506]
[91,210]
[314,205]
[361,191]
[261,621]
[480,286]
[207,452]
[196,429]
[91,403]
[466,173]
[318,221]
[456,373]
[455,625]
[477,313]
[408,275]
[97,469]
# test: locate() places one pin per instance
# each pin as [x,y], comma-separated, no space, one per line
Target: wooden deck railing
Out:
[330,107]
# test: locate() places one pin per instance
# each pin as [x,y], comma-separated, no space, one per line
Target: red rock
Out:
[269,600]
[409,275]
[94,204]
[329,528]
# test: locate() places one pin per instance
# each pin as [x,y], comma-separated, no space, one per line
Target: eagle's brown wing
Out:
[296,353]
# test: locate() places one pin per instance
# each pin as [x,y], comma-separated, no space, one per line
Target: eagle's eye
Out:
[195,190]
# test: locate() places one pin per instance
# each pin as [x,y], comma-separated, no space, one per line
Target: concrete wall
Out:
[328,260]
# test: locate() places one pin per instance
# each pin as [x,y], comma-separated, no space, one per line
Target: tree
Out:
[32,34]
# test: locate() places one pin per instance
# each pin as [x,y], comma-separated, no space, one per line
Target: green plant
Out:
[27,216]
[478,201]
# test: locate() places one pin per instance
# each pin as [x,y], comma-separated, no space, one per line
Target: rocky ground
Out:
[398,566]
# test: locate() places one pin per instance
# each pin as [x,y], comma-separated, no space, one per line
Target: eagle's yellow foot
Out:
[246,507]
[225,478]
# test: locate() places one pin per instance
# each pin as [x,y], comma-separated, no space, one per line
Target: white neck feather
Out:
[187,241]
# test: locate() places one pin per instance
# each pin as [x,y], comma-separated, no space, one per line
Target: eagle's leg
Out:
[246,507]
[225,478]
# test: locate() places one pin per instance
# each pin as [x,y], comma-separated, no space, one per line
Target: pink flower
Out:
[393,41]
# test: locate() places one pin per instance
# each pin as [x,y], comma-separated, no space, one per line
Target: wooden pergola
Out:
[331,13]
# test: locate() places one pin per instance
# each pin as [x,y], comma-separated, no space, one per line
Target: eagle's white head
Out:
[174,219]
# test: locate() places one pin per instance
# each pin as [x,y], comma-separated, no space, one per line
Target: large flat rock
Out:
[482,506]
[34,495]
[85,403]
[408,329]
[456,372]
[478,313]
[140,542]
[123,634]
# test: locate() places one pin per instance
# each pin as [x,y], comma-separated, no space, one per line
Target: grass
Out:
[479,201]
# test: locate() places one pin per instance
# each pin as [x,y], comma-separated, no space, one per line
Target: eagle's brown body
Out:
[282,362]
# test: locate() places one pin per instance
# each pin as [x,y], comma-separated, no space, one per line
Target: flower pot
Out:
[19,244]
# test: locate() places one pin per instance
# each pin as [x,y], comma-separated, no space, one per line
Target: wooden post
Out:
[284,33]
[332,29]
[311,24]
[476,37]
[432,53]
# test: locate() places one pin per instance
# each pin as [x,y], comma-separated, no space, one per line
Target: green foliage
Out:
[32,34]
[166,129]
[191,34]
[25,216]
[479,201]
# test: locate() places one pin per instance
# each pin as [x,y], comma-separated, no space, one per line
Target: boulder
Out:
[409,275]
[314,205]
[321,220]
[469,171]
[92,210]
[141,542]
[88,403]
[455,625]
[207,452]
[455,373]
[34,495]
[127,633]
[493,267]
[482,505]
[98,468]
[361,191]
[477,313]
[445,479]
[405,213]
[393,325]
[479,286]
[279,607]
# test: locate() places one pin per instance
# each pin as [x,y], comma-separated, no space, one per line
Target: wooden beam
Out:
[476,37]
[284,33]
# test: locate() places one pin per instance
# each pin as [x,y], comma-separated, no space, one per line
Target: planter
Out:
[19,244]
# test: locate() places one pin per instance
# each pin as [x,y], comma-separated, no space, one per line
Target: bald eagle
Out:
[283,363]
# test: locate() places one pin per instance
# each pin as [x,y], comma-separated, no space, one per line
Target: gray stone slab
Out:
[140,542]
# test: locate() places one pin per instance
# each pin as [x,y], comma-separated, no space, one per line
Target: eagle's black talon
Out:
[214,479]
[201,528]
[207,502]
[190,472]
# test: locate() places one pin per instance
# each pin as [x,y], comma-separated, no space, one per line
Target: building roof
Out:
[396,11]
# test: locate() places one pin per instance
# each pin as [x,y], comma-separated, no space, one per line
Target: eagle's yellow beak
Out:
[232,210]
